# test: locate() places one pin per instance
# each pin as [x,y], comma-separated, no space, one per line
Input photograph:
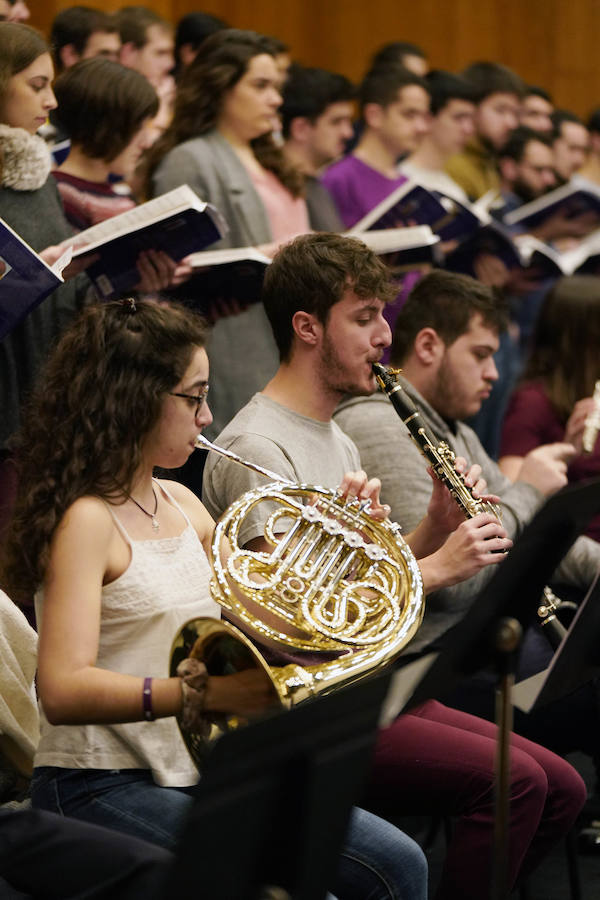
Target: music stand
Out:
[575,663]
[515,589]
[505,608]
[273,803]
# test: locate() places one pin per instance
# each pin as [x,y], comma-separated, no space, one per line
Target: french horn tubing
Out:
[335,584]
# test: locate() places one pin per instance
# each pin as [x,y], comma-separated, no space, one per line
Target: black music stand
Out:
[575,663]
[491,632]
[515,589]
[274,799]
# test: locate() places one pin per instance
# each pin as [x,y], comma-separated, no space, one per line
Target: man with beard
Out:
[526,164]
[324,295]
[526,167]
[571,141]
[325,299]
[445,339]
[536,109]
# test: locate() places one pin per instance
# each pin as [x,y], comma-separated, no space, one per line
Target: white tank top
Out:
[165,584]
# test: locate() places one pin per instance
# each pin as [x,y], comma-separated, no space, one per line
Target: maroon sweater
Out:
[530,421]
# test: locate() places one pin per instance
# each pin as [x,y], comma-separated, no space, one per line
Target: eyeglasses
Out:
[198,399]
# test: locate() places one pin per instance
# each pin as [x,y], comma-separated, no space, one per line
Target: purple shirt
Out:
[356,188]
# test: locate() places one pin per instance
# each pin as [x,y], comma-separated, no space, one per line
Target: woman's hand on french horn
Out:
[247,693]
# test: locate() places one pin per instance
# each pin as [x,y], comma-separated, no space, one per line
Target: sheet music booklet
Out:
[178,222]
[25,279]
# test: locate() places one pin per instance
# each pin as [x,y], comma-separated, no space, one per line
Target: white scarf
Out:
[25,160]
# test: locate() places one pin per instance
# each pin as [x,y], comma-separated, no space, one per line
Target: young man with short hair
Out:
[451,126]
[192,30]
[147,43]
[591,167]
[445,339]
[324,295]
[571,142]
[497,93]
[316,120]
[394,107]
[536,109]
[402,53]
[526,164]
[83,32]
[14,11]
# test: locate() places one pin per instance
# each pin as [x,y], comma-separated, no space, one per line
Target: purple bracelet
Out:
[147,700]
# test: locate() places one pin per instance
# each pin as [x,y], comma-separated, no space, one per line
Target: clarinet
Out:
[442,458]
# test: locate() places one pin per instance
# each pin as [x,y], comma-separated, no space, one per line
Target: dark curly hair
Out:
[98,398]
[215,71]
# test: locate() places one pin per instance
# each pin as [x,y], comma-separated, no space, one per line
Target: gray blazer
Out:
[213,170]
[242,352]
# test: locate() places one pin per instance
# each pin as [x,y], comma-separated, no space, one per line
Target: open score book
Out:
[25,279]
[178,223]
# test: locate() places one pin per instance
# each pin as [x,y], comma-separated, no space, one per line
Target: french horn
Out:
[338,588]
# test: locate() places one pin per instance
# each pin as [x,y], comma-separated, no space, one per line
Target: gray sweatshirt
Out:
[388,452]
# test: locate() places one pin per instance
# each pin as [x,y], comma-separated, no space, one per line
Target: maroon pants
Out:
[441,761]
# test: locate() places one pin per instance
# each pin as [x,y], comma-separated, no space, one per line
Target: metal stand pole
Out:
[507,640]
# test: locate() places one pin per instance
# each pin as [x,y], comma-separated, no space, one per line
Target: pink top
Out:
[287,215]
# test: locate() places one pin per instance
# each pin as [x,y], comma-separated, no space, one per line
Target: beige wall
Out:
[549,42]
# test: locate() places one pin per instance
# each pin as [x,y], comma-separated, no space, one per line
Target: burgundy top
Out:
[530,421]
[88,203]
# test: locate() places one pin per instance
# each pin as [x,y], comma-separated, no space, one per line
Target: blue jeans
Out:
[378,861]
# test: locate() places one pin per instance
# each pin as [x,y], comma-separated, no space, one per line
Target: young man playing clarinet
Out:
[324,296]
[445,339]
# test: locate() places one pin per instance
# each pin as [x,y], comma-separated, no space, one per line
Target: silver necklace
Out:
[151,515]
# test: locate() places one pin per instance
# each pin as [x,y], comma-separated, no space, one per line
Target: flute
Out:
[592,423]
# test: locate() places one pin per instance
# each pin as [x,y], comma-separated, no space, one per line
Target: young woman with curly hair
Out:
[119,562]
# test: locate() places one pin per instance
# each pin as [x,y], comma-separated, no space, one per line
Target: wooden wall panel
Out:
[549,42]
